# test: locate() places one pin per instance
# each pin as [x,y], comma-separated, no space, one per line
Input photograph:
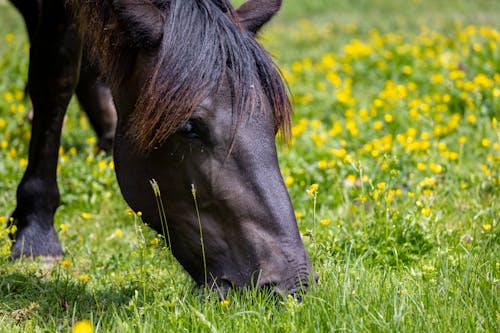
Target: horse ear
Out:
[141,20]
[253,14]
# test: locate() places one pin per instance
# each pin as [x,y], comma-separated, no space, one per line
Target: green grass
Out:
[396,119]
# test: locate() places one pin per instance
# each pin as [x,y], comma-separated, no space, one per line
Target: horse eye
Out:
[189,130]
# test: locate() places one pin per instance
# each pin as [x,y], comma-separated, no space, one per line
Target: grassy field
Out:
[397,107]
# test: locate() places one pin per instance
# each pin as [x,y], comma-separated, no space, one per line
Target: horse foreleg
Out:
[53,74]
[95,98]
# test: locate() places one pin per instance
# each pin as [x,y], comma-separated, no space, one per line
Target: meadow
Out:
[393,169]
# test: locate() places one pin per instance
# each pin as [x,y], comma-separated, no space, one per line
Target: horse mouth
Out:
[295,287]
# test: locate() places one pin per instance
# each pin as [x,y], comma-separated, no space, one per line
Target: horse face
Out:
[248,227]
[230,221]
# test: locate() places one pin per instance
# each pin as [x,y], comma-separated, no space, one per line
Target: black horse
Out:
[199,103]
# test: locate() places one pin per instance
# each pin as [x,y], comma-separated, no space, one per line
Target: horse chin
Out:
[295,288]
[222,288]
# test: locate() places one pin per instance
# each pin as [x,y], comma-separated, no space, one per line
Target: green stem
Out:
[193,192]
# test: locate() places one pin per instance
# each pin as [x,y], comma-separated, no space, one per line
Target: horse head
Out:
[199,109]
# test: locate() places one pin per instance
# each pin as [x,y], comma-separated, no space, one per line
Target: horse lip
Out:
[275,289]
[295,287]
[283,293]
[285,288]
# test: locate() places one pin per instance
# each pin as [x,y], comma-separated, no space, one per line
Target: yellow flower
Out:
[487,227]
[378,125]
[381,185]
[289,180]
[65,263]
[421,166]
[9,37]
[328,60]
[12,152]
[436,168]
[313,189]
[483,81]
[224,302]
[83,326]
[471,119]
[437,78]
[428,182]
[297,67]
[357,49]
[21,109]
[118,233]
[86,216]
[453,156]
[426,211]
[323,164]
[63,227]
[8,96]
[318,139]
[102,165]
[336,129]
[84,277]
[325,221]
[407,70]
[340,153]
[299,215]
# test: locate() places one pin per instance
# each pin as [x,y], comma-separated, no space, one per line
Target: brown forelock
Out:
[201,43]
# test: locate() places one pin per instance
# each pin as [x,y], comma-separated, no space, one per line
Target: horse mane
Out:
[202,42]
